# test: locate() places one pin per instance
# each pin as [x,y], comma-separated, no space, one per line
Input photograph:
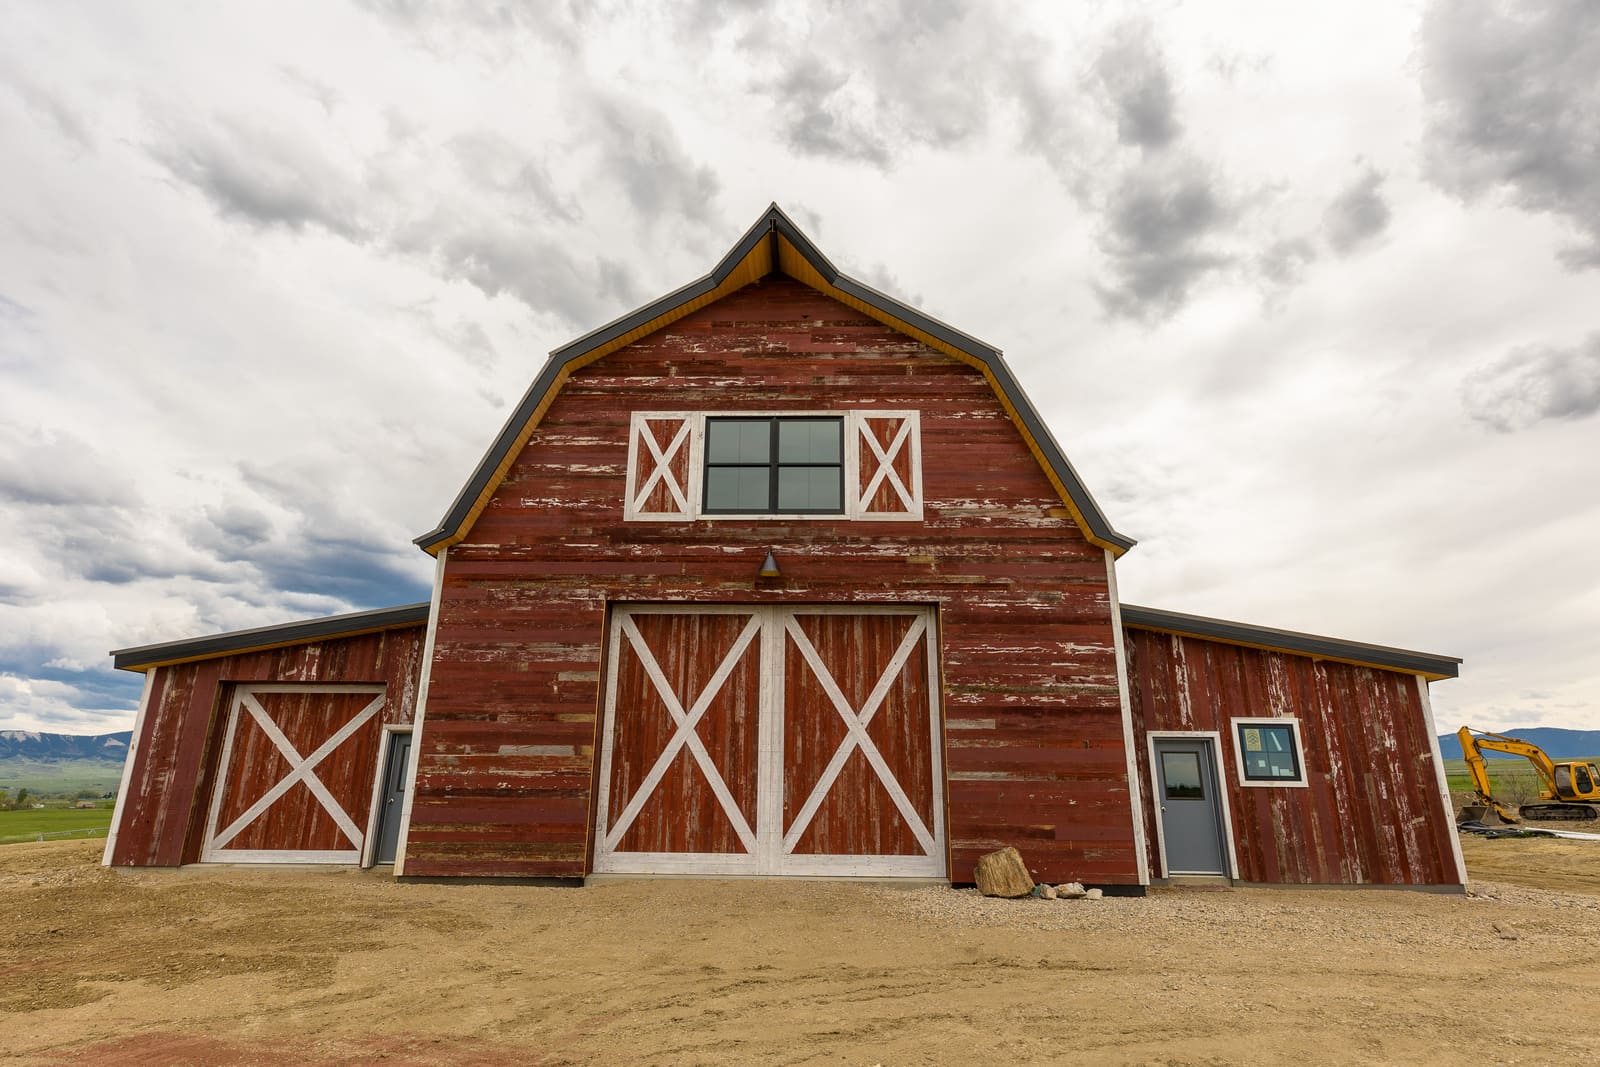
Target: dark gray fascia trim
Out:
[288,633]
[560,357]
[774,219]
[1401,659]
[991,357]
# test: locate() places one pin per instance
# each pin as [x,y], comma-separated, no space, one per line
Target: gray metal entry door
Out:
[1187,806]
[394,792]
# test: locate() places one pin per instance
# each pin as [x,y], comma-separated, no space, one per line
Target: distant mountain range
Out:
[1557,744]
[41,747]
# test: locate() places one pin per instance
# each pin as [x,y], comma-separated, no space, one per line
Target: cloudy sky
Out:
[1309,293]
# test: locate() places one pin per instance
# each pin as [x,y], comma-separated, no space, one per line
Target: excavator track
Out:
[1559,812]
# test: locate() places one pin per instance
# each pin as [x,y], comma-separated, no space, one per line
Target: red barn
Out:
[780,576]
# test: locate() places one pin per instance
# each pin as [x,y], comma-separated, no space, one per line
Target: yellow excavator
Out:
[1571,789]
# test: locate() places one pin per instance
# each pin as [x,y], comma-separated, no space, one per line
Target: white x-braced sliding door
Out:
[295,777]
[771,740]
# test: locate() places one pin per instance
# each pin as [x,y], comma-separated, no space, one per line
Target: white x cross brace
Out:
[856,722]
[302,769]
[686,734]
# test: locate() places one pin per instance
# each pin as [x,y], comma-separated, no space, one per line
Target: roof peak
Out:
[773,243]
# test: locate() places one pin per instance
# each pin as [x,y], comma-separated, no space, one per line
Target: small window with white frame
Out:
[1268,752]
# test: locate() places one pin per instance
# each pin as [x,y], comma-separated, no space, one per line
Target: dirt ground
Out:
[240,966]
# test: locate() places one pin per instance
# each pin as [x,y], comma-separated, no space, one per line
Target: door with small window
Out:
[1187,806]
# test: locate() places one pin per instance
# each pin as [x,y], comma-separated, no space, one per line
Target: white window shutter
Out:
[888,482]
[660,471]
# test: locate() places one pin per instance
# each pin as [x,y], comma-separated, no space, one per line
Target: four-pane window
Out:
[781,465]
[1268,752]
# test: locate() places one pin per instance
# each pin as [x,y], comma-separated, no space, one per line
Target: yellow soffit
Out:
[769,249]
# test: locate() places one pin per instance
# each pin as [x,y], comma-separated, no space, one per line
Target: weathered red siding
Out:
[683,814]
[1371,813]
[297,820]
[163,815]
[1035,746]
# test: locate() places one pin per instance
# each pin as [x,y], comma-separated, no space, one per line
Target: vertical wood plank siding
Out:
[857,815]
[1370,813]
[683,814]
[1035,747]
[169,793]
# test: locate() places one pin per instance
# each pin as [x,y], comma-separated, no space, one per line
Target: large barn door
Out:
[767,740]
[677,789]
[860,769]
[296,772]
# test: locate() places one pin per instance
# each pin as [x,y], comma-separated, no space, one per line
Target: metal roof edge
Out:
[289,633]
[461,507]
[684,293]
[1403,659]
[994,359]
[773,220]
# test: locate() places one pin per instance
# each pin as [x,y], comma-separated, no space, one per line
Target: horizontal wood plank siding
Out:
[169,791]
[1032,710]
[1370,813]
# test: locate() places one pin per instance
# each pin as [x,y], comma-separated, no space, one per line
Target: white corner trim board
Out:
[419,713]
[1141,846]
[121,806]
[1444,783]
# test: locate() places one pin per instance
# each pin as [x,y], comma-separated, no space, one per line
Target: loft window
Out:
[1269,751]
[855,466]
[775,466]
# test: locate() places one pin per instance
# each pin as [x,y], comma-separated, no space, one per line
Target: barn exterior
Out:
[778,576]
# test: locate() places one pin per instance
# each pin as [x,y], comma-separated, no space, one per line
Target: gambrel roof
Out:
[773,244]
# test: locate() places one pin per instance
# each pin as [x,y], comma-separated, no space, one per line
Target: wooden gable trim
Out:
[1057,468]
[774,243]
[1381,657]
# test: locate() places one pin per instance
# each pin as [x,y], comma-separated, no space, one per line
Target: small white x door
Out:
[767,740]
[295,776]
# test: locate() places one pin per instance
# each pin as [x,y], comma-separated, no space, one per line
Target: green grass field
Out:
[60,776]
[60,823]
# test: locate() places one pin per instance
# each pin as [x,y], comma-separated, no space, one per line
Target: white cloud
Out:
[273,276]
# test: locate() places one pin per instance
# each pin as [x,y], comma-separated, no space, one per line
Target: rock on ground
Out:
[1003,874]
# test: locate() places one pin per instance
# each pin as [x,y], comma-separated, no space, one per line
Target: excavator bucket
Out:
[1481,813]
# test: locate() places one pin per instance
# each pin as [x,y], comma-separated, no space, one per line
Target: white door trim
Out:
[1215,737]
[685,735]
[855,722]
[302,769]
[369,850]
[769,849]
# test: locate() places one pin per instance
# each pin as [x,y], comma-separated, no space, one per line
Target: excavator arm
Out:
[1472,750]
